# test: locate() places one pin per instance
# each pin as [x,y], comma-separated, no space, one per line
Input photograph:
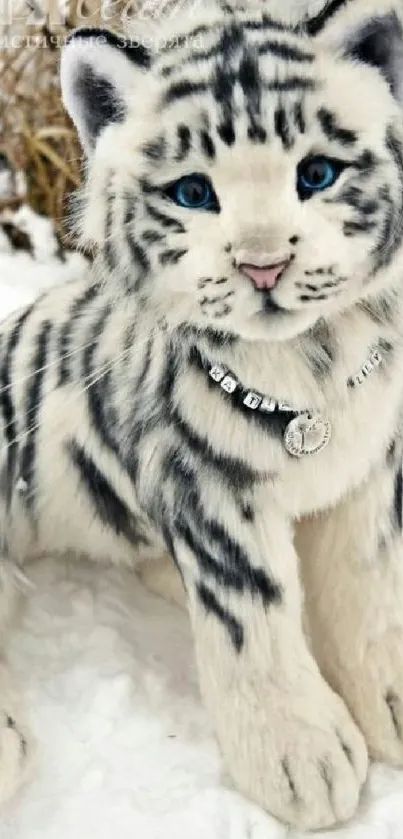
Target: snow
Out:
[22,274]
[125,747]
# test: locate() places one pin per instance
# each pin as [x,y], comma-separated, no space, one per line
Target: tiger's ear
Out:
[366,34]
[99,73]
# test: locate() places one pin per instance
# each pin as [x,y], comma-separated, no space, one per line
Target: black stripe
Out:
[333,131]
[214,337]
[6,399]
[149,188]
[230,39]
[147,359]
[222,88]
[96,406]
[249,79]
[128,343]
[109,507]
[156,149]
[233,470]
[391,234]
[267,22]
[319,349]
[218,554]
[185,142]
[32,407]
[293,83]
[231,624]
[354,228]
[131,200]
[138,253]
[366,163]
[226,132]
[282,128]
[307,298]
[299,118]
[382,309]
[229,578]
[140,423]
[183,40]
[226,562]
[207,145]
[183,89]
[286,51]
[356,198]
[140,260]
[108,249]
[168,377]
[135,52]
[256,579]
[164,220]
[315,24]
[195,57]
[394,704]
[152,237]
[285,765]
[64,342]
[171,256]
[398,498]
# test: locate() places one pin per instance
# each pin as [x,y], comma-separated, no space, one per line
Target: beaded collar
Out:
[307,432]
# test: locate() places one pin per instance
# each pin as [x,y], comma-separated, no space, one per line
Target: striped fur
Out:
[116,443]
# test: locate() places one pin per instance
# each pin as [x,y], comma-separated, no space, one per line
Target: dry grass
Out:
[35,132]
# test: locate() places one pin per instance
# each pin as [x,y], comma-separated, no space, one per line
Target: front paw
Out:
[373,689]
[299,755]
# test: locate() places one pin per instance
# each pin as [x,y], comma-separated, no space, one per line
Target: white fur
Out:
[290,742]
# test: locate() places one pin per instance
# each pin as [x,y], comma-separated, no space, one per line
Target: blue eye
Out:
[194,192]
[316,174]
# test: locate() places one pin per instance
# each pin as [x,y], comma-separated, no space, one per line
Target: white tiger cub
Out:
[232,365]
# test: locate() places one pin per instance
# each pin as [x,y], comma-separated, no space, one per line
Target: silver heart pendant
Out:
[307,434]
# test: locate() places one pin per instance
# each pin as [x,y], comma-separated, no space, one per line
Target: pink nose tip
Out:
[266,276]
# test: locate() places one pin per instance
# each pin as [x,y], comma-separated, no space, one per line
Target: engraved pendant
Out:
[307,434]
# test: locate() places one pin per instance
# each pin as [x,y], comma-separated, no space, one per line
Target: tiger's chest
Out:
[313,458]
[359,434]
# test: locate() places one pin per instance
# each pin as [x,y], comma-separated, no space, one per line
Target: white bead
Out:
[252,400]
[368,368]
[229,384]
[268,405]
[217,373]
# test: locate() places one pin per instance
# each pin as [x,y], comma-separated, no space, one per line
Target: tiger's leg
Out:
[16,742]
[287,738]
[353,568]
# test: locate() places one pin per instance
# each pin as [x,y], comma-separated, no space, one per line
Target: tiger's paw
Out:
[373,689]
[300,756]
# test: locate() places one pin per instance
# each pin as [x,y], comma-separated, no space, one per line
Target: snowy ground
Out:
[124,746]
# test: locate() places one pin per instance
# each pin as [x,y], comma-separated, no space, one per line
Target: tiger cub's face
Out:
[248,178]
